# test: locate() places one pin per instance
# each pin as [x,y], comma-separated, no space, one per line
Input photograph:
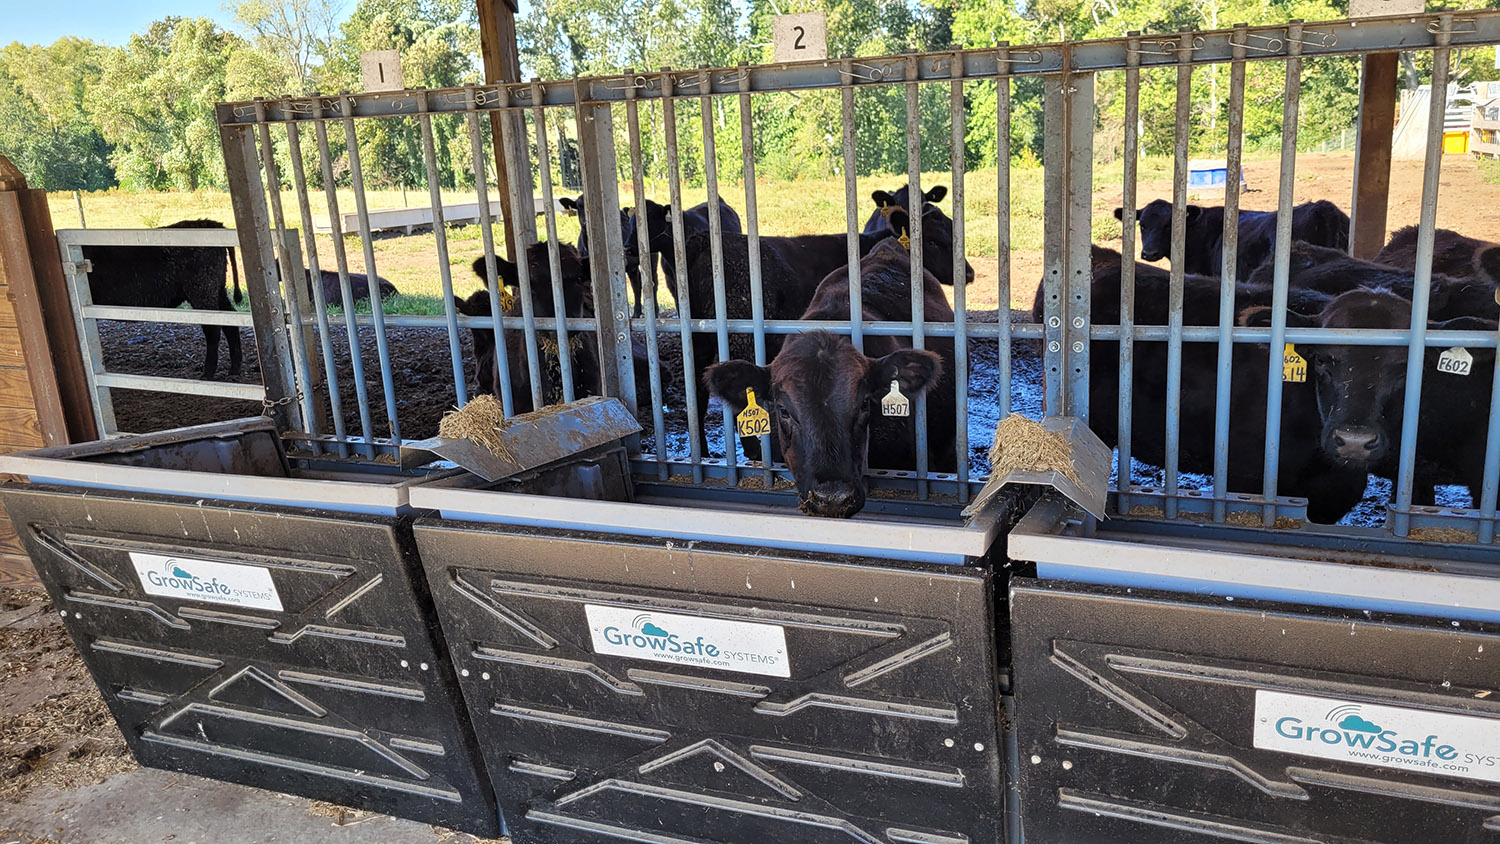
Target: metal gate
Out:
[1067,331]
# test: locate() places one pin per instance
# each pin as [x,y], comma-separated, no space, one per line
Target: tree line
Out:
[80,115]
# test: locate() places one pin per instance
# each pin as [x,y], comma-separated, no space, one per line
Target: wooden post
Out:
[1372,156]
[502,63]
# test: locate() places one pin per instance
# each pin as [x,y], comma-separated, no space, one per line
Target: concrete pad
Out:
[146,806]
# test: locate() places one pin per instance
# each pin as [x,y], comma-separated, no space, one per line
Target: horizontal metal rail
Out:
[1331,38]
[226,238]
[177,316]
[184,386]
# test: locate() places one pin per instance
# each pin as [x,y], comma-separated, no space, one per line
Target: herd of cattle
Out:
[1340,425]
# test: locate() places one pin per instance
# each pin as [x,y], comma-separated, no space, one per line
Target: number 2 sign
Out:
[798,38]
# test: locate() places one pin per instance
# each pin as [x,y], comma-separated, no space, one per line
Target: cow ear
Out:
[1259,316]
[1463,323]
[915,370]
[1193,212]
[936,194]
[571,205]
[1487,261]
[1305,302]
[1120,214]
[883,198]
[730,379]
[506,271]
[900,227]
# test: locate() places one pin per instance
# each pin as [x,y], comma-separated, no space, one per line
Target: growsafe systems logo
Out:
[1345,727]
[648,636]
[174,576]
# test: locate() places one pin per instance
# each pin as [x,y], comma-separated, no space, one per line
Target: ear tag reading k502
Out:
[895,404]
[753,421]
[1455,361]
[1293,365]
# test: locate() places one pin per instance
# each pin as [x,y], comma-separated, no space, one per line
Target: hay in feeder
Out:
[1022,443]
[481,420]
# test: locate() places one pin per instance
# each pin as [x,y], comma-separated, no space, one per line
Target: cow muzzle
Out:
[1356,444]
[833,499]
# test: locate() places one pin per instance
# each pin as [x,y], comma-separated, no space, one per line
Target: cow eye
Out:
[781,410]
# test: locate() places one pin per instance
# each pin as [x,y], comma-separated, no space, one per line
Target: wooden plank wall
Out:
[32,406]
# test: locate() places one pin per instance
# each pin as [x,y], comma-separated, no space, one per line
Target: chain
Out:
[267,405]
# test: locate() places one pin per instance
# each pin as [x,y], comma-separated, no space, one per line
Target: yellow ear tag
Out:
[507,300]
[895,404]
[905,241]
[1293,365]
[887,210]
[753,421]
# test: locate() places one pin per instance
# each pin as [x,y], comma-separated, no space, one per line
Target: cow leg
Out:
[236,356]
[635,287]
[704,355]
[211,356]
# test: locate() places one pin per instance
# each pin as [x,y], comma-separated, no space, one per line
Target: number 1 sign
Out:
[798,38]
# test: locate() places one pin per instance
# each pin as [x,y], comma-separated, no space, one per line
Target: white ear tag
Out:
[1455,361]
[895,404]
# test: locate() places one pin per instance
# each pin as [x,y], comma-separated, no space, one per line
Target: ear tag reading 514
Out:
[1293,365]
[753,421]
[895,404]
[1455,361]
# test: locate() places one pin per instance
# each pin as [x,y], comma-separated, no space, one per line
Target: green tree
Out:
[44,127]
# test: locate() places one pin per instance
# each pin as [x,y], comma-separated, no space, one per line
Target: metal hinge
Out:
[83,267]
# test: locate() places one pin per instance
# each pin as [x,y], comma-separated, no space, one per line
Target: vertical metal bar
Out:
[554,261]
[1080,116]
[918,291]
[1491,485]
[1128,228]
[752,218]
[647,270]
[1002,222]
[1234,150]
[851,210]
[1416,354]
[716,249]
[440,232]
[518,165]
[596,148]
[1183,137]
[1282,267]
[315,281]
[367,240]
[88,340]
[684,305]
[491,270]
[1054,242]
[960,281]
[253,225]
[341,261]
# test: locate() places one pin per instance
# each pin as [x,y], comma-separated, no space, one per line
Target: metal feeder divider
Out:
[662,670]
[256,619]
[1192,683]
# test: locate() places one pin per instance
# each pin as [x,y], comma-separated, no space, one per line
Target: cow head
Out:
[578,301]
[1360,390]
[1156,227]
[822,393]
[901,198]
[1487,264]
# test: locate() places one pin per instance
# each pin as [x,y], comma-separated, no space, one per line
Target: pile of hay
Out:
[481,420]
[1022,443]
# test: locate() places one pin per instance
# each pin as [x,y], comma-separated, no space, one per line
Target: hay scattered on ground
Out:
[481,420]
[1446,534]
[1022,443]
[1245,518]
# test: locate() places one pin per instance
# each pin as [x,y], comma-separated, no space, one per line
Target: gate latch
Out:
[83,267]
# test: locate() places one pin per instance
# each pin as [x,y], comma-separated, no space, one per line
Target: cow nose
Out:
[1356,442]
[835,499]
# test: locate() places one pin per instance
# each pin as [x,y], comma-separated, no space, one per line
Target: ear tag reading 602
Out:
[1293,365]
[753,421]
[895,404]
[1455,361]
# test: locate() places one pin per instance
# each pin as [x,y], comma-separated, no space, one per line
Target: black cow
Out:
[1361,393]
[1303,470]
[825,395]
[359,287]
[1330,271]
[695,221]
[168,276]
[791,270]
[575,208]
[1320,223]
[888,201]
[1453,255]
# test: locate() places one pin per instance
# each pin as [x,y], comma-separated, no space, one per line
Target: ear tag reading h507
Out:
[1293,365]
[753,421]
[895,404]
[1455,361]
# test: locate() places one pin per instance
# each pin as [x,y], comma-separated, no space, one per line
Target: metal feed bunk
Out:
[697,662]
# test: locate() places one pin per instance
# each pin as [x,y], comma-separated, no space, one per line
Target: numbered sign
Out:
[1293,365]
[753,421]
[1381,8]
[800,38]
[1455,361]
[895,404]
[382,70]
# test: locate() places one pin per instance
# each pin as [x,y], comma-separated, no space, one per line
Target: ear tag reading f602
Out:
[1293,365]
[895,404]
[753,421]
[1455,361]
